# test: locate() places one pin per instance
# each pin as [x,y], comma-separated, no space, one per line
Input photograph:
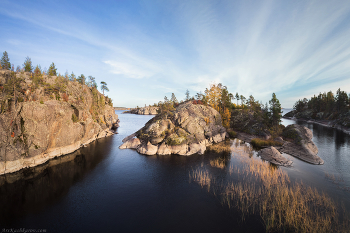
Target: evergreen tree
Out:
[92,82]
[187,95]
[173,98]
[27,65]
[81,79]
[37,79]
[5,61]
[52,70]
[18,69]
[275,110]
[341,100]
[242,100]
[237,97]
[72,77]
[104,87]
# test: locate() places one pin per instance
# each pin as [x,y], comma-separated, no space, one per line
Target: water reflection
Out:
[31,190]
[255,188]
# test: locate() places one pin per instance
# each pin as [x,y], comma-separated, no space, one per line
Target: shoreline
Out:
[323,123]
[8,167]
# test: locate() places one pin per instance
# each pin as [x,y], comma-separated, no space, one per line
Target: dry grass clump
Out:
[265,190]
[258,142]
[221,147]
[219,163]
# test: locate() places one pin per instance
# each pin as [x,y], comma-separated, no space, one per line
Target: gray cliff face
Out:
[189,130]
[35,127]
[144,111]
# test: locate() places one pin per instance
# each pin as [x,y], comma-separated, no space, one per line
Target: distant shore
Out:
[121,108]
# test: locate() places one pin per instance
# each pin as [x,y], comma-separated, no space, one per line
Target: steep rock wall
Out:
[40,127]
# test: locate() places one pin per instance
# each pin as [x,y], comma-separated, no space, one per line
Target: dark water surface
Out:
[103,189]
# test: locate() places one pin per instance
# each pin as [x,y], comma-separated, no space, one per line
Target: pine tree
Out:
[237,97]
[81,79]
[92,82]
[52,70]
[27,65]
[104,87]
[18,69]
[5,61]
[72,77]
[173,98]
[187,95]
[275,110]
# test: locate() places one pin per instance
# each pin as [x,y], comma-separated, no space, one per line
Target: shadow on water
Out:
[31,190]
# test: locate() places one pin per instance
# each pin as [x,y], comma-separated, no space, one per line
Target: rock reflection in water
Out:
[33,189]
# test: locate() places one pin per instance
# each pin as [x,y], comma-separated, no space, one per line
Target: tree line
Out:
[27,66]
[325,102]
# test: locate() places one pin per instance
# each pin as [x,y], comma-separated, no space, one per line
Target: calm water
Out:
[102,189]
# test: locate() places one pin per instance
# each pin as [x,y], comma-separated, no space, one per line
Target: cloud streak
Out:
[252,47]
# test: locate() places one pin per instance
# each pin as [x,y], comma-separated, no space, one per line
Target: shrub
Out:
[258,142]
[232,134]
[65,97]
[75,118]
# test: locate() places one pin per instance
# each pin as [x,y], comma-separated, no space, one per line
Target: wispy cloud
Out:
[252,47]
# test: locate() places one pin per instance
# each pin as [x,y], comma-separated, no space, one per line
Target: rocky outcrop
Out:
[300,144]
[39,123]
[144,111]
[272,155]
[187,130]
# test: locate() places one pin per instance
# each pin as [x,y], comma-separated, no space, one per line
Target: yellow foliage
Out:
[226,116]
[213,96]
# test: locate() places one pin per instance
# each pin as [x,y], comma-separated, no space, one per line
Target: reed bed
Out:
[222,147]
[265,190]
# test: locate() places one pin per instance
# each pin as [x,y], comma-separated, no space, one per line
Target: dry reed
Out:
[267,191]
[219,163]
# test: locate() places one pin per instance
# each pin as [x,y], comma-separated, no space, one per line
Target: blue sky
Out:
[145,50]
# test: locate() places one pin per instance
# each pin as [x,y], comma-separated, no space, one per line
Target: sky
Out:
[145,50]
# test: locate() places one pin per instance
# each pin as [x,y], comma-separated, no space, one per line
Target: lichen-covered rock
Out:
[300,144]
[272,155]
[133,143]
[185,131]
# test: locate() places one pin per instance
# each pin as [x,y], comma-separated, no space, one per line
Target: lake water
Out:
[103,189]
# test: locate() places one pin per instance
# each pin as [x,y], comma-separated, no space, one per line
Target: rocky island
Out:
[186,130]
[45,116]
[148,110]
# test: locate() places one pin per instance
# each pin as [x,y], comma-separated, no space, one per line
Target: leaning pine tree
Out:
[104,87]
